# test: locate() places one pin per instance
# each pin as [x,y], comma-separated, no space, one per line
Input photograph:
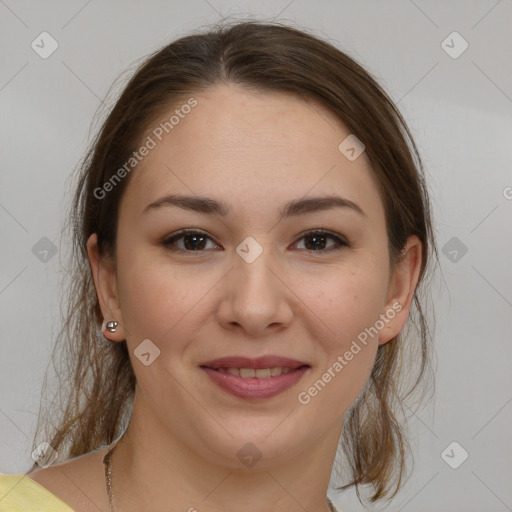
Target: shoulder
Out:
[19,493]
[74,485]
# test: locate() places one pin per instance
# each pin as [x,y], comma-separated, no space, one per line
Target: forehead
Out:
[251,149]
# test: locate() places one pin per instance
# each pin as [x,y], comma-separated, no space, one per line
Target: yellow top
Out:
[19,493]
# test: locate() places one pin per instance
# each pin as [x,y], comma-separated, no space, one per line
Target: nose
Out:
[255,296]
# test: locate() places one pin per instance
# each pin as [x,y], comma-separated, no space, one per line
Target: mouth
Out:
[260,373]
[258,378]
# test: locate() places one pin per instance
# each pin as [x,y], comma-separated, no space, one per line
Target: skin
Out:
[256,152]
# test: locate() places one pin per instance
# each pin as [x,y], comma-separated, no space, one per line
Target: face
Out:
[253,278]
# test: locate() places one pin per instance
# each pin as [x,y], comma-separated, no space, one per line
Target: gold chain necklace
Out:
[108,481]
[108,477]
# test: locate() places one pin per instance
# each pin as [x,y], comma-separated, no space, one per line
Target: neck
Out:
[153,470]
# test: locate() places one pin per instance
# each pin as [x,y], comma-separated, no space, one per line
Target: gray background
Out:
[459,110]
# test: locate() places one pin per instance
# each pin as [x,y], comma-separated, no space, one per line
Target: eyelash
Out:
[340,242]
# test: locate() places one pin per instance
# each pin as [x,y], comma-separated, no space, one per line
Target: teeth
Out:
[261,373]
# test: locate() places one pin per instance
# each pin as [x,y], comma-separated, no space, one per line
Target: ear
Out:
[105,281]
[401,288]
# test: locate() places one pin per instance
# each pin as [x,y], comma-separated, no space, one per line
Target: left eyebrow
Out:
[293,208]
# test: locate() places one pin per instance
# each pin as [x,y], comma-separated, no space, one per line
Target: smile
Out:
[254,379]
[260,373]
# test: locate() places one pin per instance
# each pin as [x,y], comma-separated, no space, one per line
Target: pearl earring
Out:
[112,326]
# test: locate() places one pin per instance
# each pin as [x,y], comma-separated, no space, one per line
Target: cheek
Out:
[156,298]
[346,356]
[161,304]
[349,307]
[348,302]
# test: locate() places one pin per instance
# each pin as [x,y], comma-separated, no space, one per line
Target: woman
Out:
[252,230]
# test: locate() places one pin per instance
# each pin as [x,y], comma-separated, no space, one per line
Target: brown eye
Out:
[197,241]
[193,241]
[317,241]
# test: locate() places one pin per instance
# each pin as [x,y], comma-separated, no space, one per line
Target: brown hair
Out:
[268,57]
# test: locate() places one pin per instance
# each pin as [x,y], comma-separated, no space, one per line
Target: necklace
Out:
[108,477]
[108,481]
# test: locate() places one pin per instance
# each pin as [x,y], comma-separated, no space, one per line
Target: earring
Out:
[112,325]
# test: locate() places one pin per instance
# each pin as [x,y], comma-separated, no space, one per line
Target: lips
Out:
[256,378]
[256,364]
